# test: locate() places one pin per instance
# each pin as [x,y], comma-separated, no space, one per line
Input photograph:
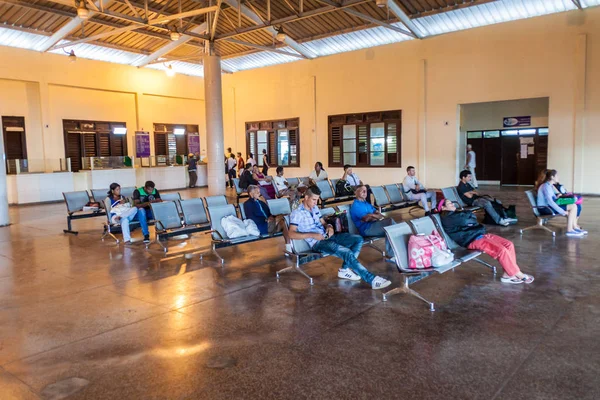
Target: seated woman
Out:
[121,212]
[318,174]
[547,205]
[264,182]
[283,186]
[463,228]
[258,211]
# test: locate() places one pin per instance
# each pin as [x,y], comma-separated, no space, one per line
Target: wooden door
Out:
[73,149]
[492,159]
[13,129]
[527,161]
[510,162]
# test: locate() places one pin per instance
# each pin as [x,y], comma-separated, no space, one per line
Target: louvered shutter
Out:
[336,146]
[160,144]
[73,150]
[392,143]
[273,156]
[104,144]
[89,145]
[293,143]
[117,145]
[363,152]
[252,144]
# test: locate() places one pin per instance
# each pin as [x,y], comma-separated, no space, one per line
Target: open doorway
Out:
[509,139]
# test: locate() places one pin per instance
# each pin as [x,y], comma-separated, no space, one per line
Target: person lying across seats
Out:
[416,191]
[463,228]
[546,202]
[120,211]
[354,181]
[368,220]
[306,223]
[471,197]
[142,197]
[258,211]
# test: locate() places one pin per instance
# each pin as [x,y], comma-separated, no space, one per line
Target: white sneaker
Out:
[347,273]
[503,222]
[380,283]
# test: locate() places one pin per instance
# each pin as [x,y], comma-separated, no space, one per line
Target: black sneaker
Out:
[146,239]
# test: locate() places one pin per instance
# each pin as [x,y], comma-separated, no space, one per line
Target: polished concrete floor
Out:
[85,319]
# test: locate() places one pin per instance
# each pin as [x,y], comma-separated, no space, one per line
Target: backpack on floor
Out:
[343,188]
[339,221]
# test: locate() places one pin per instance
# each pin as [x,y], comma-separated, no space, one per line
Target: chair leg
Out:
[539,225]
[372,245]
[213,250]
[296,268]
[490,266]
[107,232]
[406,289]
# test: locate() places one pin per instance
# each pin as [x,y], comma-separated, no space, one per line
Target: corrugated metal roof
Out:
[356,40]
[100,53]
[180,67]
[23,40]
[257,60]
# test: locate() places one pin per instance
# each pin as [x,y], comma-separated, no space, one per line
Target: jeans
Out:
[375,229]
[347,247]
[126,218]
[500,249]
[231,175]
[489,209]
[423,198]
[193,178]
[143,216]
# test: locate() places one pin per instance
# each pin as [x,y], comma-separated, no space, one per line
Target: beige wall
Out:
[47,88]
[489,116]
[556,56]
[428,79]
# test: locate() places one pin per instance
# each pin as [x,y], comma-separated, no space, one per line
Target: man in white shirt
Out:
[283,187]
[471,164]
[354,181]
[416,191]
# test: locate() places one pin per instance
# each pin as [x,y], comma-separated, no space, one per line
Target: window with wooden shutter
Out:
[160,144]
[89,144]
[105,149]
[365,139]
[73,149]
[14,138]
[93,139]
[281,139]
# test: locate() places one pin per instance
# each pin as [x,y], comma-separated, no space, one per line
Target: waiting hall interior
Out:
[299,199]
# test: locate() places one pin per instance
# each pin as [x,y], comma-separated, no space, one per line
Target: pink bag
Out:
[420,249]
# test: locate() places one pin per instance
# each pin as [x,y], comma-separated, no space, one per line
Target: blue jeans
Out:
[347,247]
[375,229]
[143,216]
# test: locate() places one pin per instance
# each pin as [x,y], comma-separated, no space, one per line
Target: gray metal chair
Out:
[398,236]
[167,222]
[425,226]
[293,181]
[410,202]
[395,196]
[240,193]
[99,195]
[170,196]
[326,191]
[213,201]
[279,207]
[368,241]
[465,255]
[381,197]
[127,191]
[451,194]
[75,201]
[334,183]
[541,220]
[195,219]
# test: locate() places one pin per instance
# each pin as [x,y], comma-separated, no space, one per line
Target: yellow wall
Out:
[47,88]
[556,56]
[428,80]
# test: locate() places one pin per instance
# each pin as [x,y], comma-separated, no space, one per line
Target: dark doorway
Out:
[15,147]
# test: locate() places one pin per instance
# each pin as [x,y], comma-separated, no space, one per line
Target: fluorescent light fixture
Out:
[120,130]
[179,131]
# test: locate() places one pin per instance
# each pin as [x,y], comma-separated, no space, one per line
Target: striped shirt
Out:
[307,221]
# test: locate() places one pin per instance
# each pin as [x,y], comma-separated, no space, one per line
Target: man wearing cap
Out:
[192,170]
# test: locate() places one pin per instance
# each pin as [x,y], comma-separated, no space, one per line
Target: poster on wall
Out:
[193,143]
[509,122]
[142,144]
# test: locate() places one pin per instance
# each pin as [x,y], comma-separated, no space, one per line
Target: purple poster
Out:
[142,144]
[509,122]
[194,143]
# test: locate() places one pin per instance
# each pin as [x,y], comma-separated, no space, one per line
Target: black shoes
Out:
[146,239]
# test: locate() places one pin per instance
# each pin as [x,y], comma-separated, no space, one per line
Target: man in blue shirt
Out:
[307,223]
[368,220]
[258,211]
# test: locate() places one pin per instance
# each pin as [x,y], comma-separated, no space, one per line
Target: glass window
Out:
[512,132]
[349,144]
[283,148]
[377,145]
[527,131]
[263,144]
[474,135]
[543,131]
[491,134]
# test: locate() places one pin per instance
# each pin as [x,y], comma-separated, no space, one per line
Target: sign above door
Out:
[516,121]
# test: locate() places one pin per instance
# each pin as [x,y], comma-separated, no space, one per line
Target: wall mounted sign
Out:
[142,144]
[509,122]
[193,143]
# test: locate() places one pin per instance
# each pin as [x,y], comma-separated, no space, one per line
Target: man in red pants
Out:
[463,228]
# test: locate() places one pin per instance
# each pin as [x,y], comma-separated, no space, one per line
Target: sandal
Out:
[527,278]
[512,280]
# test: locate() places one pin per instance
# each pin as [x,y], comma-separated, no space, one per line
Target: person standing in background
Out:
[250,160]
[265,159]
[231,164]
[471,164]
[192,170]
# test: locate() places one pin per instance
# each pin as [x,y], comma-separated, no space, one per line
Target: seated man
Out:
[463,228]
[306,223]
[416,191]
[258,211]
[354,181]
[368,220]
[471,197]
[142,197]
[283,187]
